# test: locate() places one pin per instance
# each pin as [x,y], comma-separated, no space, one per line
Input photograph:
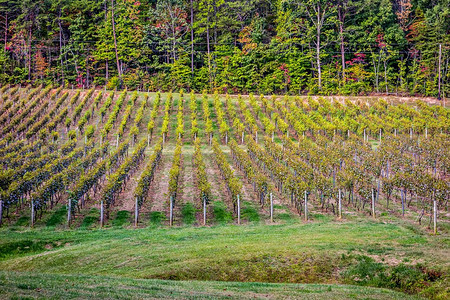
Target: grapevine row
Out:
[234,186]
[147,176]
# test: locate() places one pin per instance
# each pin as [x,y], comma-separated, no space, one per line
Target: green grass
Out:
[122,218]
[321,252]
[23,221]
[404,277]
[23,285]
[156,217]
[58,217]
[91,219]
[15,285]
[250,212]
[188,213]
[221,214]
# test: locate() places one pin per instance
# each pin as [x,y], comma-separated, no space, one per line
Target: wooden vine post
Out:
[239,210]
[403,202]
[102,213]
[340,204]
[373,203]
[32,213]
[136,213]
[435,216]
[171,211]
[1,212]
[306,206]
[204,211]
[271,208]
[69,211]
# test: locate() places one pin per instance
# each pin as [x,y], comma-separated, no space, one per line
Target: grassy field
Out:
[50,262]
[24,285]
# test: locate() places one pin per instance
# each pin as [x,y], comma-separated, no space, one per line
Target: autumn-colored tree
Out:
[170,24]
[403,12]
[40,64]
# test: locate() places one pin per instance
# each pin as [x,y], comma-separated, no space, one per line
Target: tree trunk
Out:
[106,70]
[174,45]
[341,16]
[87,70]
[208,48]
[215,22]
[377,75]
[6,30]
[319,67]
[115,39]
[106,62]
[60,46]
[192,37]
[29,54]
[439,73]
[385,75]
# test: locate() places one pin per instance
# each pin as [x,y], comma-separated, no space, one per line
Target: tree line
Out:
[233,46]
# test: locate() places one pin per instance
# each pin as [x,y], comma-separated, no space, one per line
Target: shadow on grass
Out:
[221,214]
[23,221]
[91,219]
[156,218]
[57,217]
[122,218]
[188,213]
[250,213]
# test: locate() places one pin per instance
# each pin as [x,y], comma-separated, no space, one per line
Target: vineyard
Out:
[204,159]
[278,189]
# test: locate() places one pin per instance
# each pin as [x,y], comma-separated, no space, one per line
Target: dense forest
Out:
[234,46]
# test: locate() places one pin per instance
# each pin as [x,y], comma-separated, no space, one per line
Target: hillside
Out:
[380,254]
[98,184]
